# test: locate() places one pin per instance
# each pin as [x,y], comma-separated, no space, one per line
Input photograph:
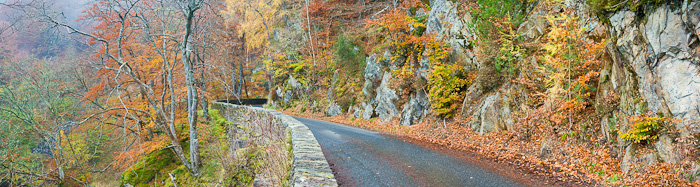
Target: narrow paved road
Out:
[360,157]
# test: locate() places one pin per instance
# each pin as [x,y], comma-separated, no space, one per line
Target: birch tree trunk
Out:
[191,8]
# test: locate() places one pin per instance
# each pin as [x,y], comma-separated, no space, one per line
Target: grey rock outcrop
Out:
[691,16]
[279,92]
[373,73]
[331,89]
[533,28]
[373,70]
[391,61]
[415,109]
[386,109]
[450,22]
[292,82]
[655,58]
[287,96]
[667,34]
[379,98]
[494,114]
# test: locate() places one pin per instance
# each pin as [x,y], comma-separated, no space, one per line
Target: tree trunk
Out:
[191,89]
[181,155]
[241,77]
[234,84]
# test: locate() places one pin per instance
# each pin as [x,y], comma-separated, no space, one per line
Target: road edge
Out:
[309,165]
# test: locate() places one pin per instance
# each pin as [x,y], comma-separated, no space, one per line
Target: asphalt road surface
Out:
[360,157]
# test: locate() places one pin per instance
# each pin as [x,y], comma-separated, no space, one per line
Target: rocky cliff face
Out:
[655,69]
[662,51]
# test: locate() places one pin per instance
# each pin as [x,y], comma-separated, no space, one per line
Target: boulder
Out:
[488,116]
[494,113]
[333,110]
[628,158]
[664,146]
[357,112]
[287,96]
[368,112]
[386,109]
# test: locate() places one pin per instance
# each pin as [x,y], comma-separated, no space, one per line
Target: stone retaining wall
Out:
[309,166]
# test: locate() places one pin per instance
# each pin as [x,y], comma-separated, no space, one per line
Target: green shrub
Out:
[509,51]
[349,56]
[444,85]
[496,23]
[491,12]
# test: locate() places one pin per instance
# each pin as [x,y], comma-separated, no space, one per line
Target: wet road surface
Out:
[360,157]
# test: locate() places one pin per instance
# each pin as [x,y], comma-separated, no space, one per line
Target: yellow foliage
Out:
[644,128]
[444,87]
[569,65]
[257,19]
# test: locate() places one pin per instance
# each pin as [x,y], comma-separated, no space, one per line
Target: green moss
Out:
[146,169]
[602,7]
[161,162]
[289,144]
[218,124]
